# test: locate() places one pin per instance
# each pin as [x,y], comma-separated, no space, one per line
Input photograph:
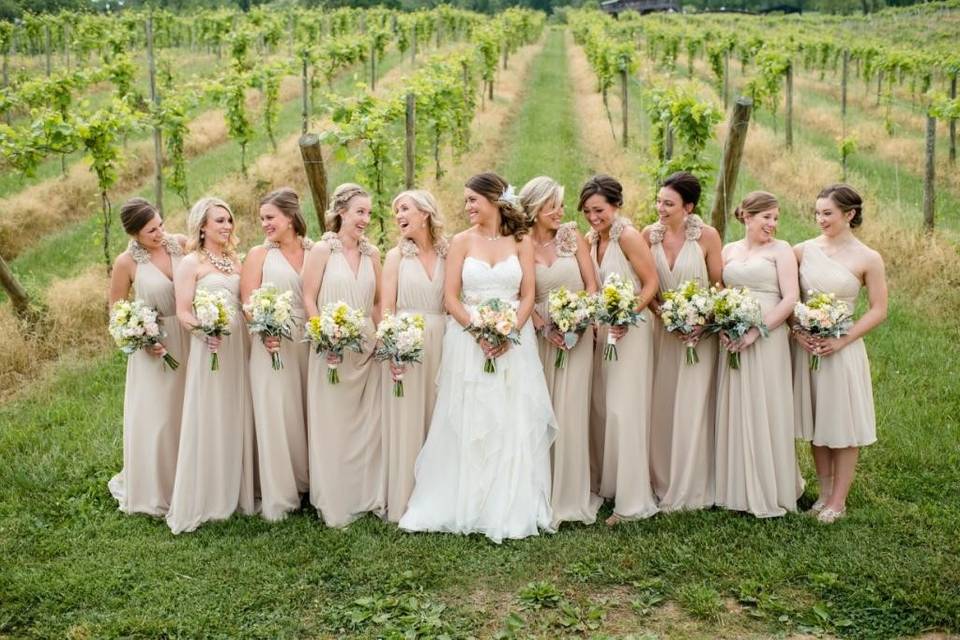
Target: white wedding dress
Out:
[485,467]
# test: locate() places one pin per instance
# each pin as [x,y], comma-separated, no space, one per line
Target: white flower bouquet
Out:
[338,328]
[134,326]
[496,322]
[214,315]
[684,309]
[400,340]
[823,316]
[735,312]
[270,312]
[617,307]
[570,314]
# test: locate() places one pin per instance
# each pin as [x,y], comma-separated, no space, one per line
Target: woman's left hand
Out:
[556,339]
[748,339]
[271,344]
[829,346]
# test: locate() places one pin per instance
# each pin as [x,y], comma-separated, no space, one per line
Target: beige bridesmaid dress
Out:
[153,397]
[407,419]
[833,404]
[756,461]
[280,400]
[684,395]
[343,420]
[620,407]
[216,463]
[569,388]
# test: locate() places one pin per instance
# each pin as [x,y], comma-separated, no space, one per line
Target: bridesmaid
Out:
[343,420]
[153,393]
[279,397]
[756,462]
[620,408]
[684,400]
[562,259]
[834,404]
[215,463]
[412,282]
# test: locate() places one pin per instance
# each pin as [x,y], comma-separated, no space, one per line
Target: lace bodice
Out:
[481,281]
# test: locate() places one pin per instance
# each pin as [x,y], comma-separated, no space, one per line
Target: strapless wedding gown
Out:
[485,467]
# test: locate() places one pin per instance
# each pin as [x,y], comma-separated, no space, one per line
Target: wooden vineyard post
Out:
[668,143]
[413,45]
[625,88]
[411,144]
[726,79]
[155,100]
[506,56]
[953,121]
[18,295]
[929,174]
[788,124]
[729,170]
[845,73]
[305,89]
[316,173]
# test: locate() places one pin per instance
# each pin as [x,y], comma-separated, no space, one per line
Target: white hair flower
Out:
[509,195]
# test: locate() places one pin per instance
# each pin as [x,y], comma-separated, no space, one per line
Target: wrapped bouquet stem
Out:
[134,326]
[338,328]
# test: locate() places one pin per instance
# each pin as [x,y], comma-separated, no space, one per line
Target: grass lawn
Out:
[71,565]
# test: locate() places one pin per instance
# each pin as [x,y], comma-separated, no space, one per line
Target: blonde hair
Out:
[755,202]
[539,193]
[340,202]
[425,203]
[196,219]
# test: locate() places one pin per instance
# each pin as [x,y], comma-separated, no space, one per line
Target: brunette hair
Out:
[753,203]
[340,202]
[602,185]
[513,222]
[847,198]
[686,184]
[288,202]
[135,214]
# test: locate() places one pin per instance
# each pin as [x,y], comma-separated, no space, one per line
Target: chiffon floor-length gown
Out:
[153,398]
[833,404]
[756,463]
[343,420]
[216,462]
[620,407]
[406,419]
[279,401]
[569,389]
[684,395]
[485,467]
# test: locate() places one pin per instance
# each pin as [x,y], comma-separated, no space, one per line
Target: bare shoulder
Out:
[710,234]
[782,249]
[871,257]
[125,262]
[393,255]
[461,241]
[320,248]
[180,239]
[630,234]
[257,252]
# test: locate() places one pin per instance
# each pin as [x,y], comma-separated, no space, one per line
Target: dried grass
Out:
[603,153]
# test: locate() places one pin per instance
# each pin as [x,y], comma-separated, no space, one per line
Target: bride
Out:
[485,467]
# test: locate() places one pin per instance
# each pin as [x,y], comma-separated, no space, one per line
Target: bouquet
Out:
[134,326]
[571,314]
[684,309]
[400,341]
[215,315]
[823,316]
[338,328]
[617,308]
[496,322]
[270,311]
[735,312]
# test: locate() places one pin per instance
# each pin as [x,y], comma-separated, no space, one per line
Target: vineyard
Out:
[95,109]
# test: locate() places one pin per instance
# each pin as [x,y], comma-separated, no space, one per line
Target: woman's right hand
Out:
[157,350]
[618,331]
[494,351]
[213,343]
[271,344]
[805,340]
[397,370]
[334,358]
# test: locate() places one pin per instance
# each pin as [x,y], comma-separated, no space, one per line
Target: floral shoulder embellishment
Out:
[566,240]
[592,237]
[409,248]
[617,228]
[366,249]
[657,232]
[138,253]
[305,242]
[332,240]
[441,245]
[694,227]
[172,246]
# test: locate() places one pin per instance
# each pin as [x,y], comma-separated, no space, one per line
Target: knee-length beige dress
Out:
[216,461]
[620,407]
[833,405]
[344,420]
[684,395]
[280,400]
[153,397]
[407,419]
[569,389]
[756,460]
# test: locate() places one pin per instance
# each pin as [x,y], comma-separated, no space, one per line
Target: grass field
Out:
[72,566]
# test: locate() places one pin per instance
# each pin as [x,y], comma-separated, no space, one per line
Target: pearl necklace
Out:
[222,263]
